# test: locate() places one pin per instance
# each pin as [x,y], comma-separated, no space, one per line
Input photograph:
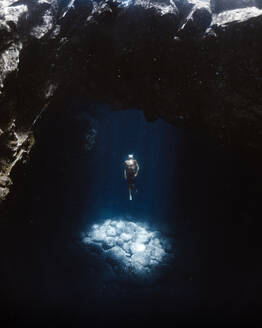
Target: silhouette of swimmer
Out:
[130,172]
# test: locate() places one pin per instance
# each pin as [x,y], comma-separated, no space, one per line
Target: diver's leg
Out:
[130,192]
[134,188]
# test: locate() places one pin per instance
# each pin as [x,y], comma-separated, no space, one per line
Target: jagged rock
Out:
[223,5]
[9,60]
[198,19]
[236,15]
[163,7]
[180,60]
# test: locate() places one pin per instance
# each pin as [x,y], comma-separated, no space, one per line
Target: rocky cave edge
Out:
[194,63]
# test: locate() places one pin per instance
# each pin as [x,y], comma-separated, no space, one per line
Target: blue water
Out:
[154,145]
[189,189]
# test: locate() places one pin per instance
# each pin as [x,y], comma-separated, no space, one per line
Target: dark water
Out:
[189,188]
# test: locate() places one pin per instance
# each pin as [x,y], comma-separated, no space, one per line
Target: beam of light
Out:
[130,244]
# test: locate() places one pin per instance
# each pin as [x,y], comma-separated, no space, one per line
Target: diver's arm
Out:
[137,168]
[125,173]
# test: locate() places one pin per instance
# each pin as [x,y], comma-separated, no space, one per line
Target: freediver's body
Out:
[130,172]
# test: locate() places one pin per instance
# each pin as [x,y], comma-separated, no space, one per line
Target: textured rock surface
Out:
[134,248]
[193,63]
[223,5]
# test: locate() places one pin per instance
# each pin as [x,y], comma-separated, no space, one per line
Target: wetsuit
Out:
[131,168]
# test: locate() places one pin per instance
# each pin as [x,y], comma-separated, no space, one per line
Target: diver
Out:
[130,172]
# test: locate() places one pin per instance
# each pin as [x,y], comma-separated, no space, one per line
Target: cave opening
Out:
[189,189]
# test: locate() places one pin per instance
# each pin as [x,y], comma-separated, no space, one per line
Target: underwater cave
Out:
[189,211]
[84,84]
